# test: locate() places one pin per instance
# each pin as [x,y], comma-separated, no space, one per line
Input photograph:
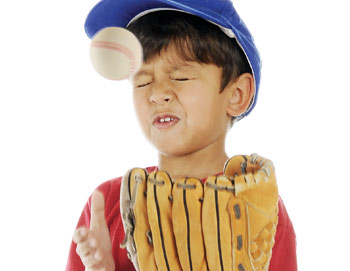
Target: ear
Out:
[241,93]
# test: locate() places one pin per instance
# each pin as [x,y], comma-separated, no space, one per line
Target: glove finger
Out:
[143,242]
[216,223]
[236,165]
[253,211]
[239,226]
[135,220]
[159,188]
[187,223]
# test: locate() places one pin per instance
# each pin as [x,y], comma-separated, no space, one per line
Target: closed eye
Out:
[143,85]
[181,79]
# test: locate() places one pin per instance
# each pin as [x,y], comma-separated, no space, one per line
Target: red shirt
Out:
[283,254]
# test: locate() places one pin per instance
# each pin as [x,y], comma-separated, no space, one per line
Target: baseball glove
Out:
[227,223]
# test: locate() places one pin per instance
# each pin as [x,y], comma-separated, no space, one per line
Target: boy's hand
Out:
[94,245]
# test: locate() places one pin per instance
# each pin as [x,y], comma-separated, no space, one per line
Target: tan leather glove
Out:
[229,223]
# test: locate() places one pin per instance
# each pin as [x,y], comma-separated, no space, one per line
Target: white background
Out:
[64,129]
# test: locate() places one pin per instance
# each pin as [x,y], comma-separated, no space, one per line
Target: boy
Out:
[200,74]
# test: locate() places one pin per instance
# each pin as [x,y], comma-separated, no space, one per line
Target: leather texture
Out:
[227,223]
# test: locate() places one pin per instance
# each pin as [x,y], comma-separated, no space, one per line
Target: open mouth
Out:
[165,121]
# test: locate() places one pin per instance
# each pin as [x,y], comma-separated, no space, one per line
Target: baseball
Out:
[116,53]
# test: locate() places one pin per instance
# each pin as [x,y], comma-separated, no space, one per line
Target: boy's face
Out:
[178,104]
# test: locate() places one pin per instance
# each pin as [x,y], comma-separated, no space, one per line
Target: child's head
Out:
[219,12]
[194,79]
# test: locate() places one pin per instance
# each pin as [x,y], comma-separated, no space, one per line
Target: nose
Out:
[161,94]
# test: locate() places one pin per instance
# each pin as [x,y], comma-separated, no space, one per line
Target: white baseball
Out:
[116,53]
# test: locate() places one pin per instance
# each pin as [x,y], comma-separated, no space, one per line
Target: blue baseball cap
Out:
[120,13]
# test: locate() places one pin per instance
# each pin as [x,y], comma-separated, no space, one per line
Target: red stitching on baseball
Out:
[117,47]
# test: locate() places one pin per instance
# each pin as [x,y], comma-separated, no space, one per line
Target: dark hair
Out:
[195,39]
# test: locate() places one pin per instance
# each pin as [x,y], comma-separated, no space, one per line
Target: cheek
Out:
[204,111]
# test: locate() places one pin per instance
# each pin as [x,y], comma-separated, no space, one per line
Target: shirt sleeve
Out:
[111,192]
[284,251]
[74,263]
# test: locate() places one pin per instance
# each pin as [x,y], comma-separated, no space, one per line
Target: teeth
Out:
[165,119]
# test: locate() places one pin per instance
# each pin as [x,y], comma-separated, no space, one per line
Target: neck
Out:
[200,164]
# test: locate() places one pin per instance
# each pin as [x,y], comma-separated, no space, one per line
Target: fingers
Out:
[96,269]
[89,254]
[94,244]
[92,260]
[97,211]
[87,247]
[80,235]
